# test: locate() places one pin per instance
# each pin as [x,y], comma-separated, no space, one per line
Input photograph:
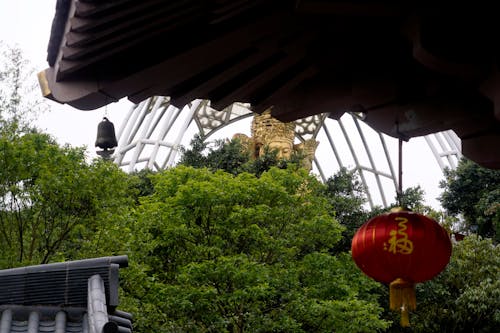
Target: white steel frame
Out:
[153,132]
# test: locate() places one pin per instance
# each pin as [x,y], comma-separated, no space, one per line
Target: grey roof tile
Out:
[66,297]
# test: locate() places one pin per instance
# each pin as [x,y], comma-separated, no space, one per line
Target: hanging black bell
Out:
[106,137]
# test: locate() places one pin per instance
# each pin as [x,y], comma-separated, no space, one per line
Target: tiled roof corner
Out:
[77,296]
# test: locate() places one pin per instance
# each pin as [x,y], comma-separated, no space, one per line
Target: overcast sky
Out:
[26,23]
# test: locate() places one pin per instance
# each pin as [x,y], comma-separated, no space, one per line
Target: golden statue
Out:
[276,135]
[307,149]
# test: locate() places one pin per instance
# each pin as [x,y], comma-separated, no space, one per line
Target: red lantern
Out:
[401,248]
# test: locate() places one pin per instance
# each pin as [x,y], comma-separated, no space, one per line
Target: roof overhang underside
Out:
[409,68]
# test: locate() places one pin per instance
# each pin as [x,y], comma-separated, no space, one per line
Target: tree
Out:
[217,252]
[231,156]
[51,199]
[474,193]
[53,204]
[345,194]
[196,156]
[18,103]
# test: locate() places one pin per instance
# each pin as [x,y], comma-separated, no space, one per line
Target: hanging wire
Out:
[399,194]
[400,172]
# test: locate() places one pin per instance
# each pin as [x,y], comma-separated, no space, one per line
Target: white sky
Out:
[26,23]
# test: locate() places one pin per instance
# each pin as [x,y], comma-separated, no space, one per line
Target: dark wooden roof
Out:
[411,68]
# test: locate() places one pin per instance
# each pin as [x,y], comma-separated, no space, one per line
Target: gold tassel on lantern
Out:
[402,298]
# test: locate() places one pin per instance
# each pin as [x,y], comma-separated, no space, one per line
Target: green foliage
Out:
[345,194]
[412,199]
[333,285]
[264,162]
[217,252]
[231,156]
[225,155]
[51,200]
[466,296]
[141,184]
[474,193]
[195,156]
[19,104]
[53,204]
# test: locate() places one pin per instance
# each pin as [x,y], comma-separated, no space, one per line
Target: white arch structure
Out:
[153,132]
